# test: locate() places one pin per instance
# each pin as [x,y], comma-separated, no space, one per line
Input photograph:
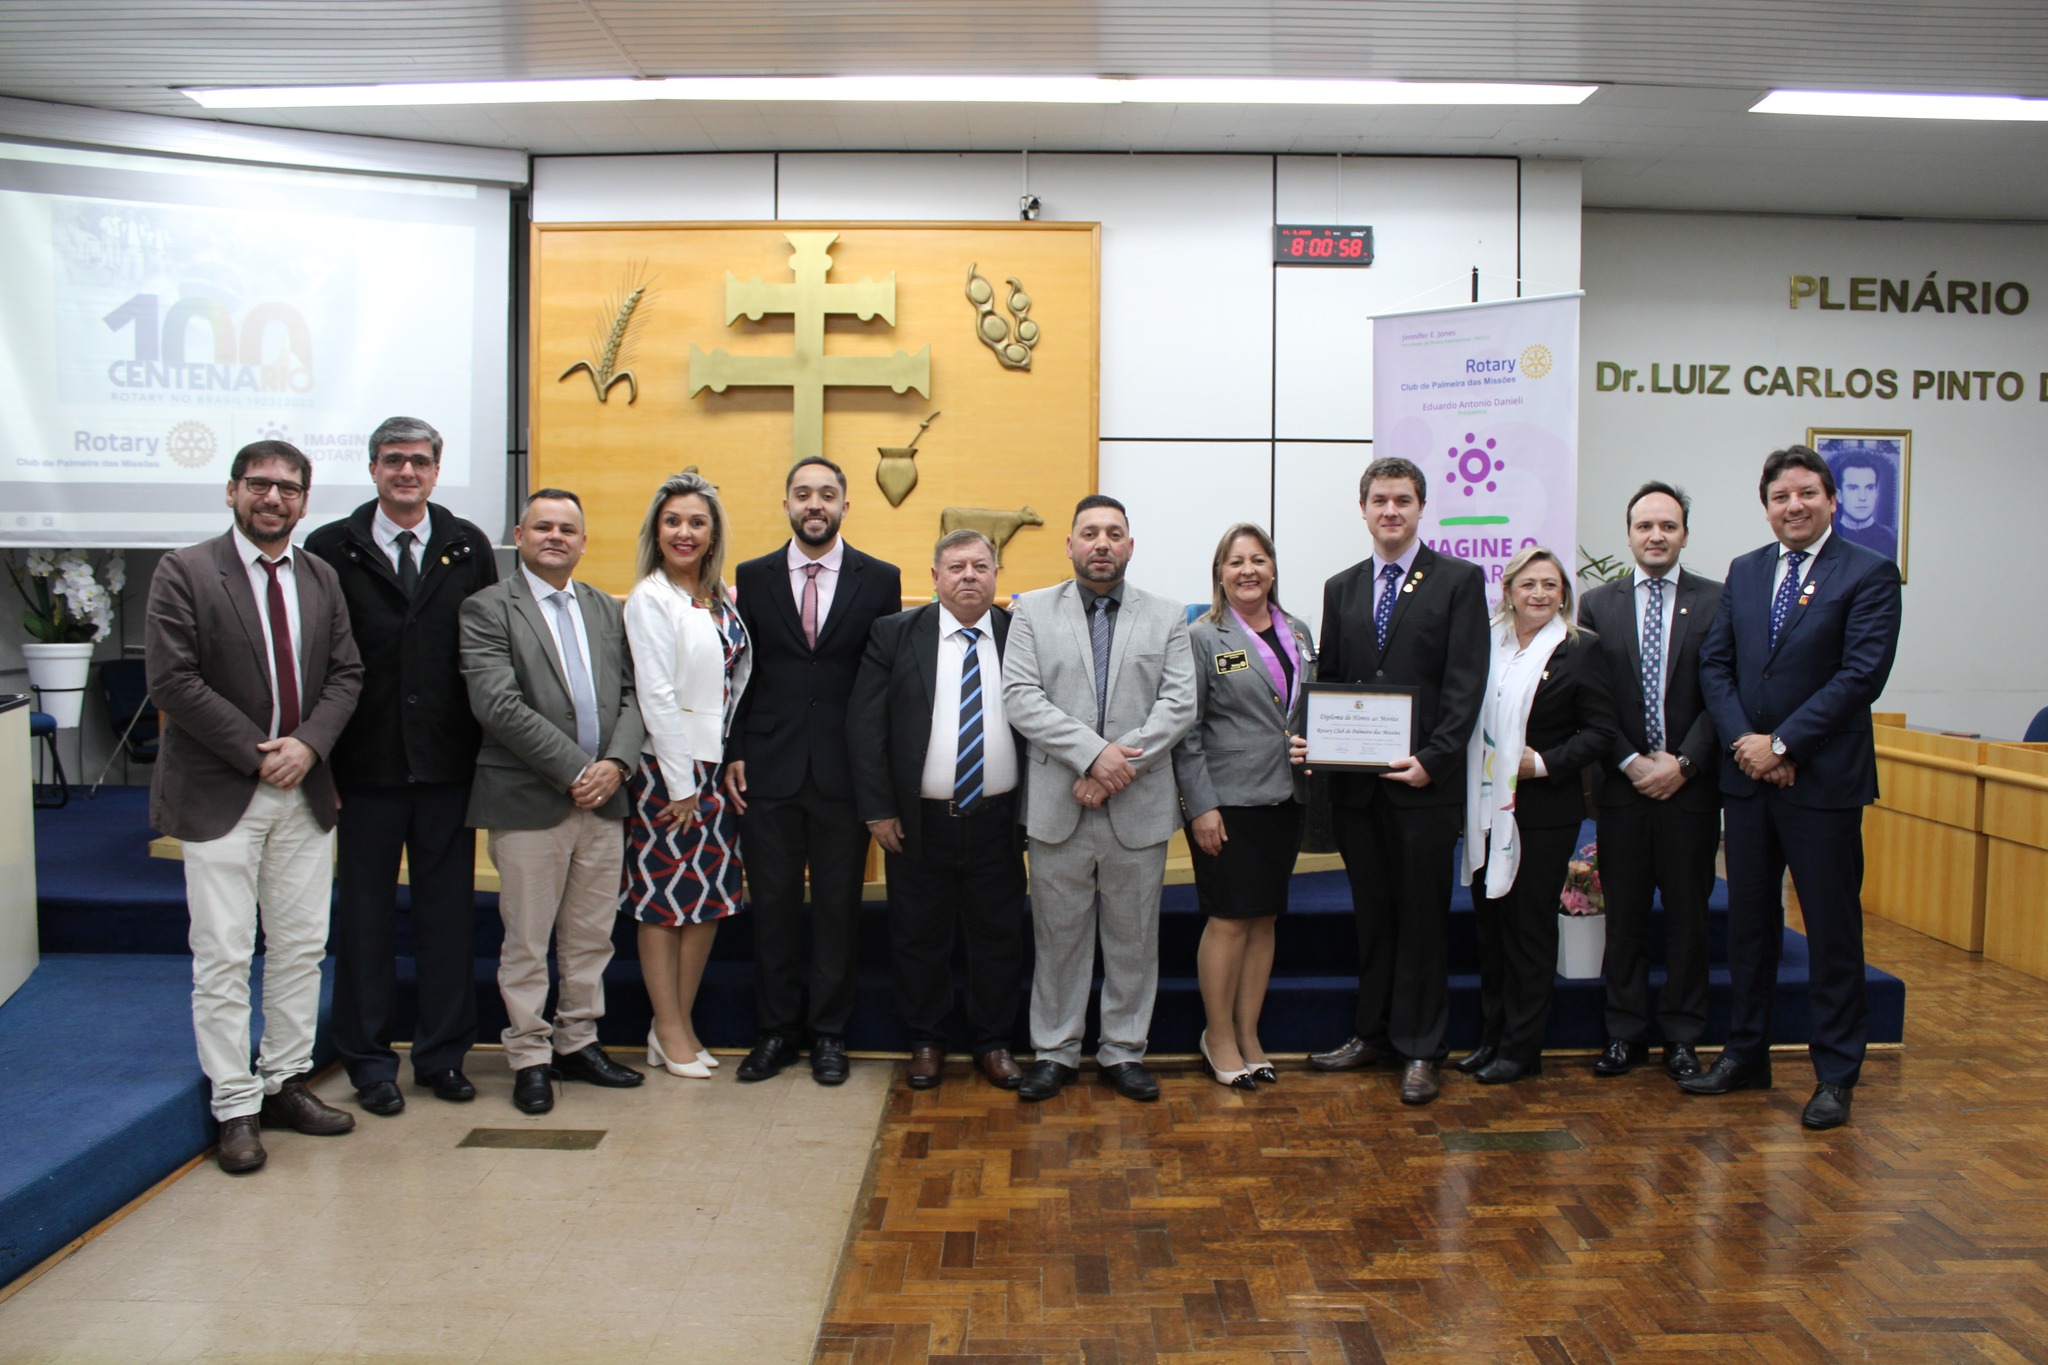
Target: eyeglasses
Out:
[262,488]
[392,459]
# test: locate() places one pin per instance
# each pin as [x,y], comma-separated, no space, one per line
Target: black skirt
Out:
[1249,877]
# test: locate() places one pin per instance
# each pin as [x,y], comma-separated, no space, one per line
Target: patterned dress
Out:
[690,873]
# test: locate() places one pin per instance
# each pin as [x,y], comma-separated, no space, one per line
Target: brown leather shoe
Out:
[1000,1067]
[1418,1083]
[298,1108]
[927,1060]
[1353,1054]
[241,1150]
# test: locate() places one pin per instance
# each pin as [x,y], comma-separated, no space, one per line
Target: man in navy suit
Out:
[1800,648]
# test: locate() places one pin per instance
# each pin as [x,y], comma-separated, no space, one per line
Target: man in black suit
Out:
[807,608]
[1802,645]
[1409,617]
[935,773]
[1659,802]
[403,767]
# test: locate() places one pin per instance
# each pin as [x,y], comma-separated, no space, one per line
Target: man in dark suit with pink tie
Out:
[1800,648]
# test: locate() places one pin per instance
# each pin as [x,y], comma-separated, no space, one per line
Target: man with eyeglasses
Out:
[251,661]
[404,766]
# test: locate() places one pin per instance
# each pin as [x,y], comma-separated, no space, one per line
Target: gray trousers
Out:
[1085,885]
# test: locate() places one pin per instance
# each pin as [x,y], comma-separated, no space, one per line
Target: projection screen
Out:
[158,313]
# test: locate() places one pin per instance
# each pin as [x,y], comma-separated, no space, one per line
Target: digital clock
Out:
[1298,244]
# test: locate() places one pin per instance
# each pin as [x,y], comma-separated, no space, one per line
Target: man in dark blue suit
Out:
[1800,648]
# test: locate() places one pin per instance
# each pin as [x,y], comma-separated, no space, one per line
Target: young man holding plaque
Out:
[1409,618]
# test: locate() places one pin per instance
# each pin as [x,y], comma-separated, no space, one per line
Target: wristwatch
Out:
[1777,746]
[1685,767]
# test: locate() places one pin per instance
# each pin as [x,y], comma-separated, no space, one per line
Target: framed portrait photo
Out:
[1873,477]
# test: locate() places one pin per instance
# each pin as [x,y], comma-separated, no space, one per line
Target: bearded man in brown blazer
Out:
[250,659]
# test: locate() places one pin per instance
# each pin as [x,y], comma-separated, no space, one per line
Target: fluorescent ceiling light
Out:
[1859,104]
[898,89]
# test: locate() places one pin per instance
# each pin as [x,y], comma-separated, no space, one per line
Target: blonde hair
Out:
[1523,559]
[1219,602]
[711,569]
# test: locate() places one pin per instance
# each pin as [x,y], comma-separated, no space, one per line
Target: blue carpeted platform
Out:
[100,1094]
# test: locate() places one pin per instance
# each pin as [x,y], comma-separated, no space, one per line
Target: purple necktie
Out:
[810,608]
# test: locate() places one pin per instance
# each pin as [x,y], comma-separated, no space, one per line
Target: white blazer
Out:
[679,676]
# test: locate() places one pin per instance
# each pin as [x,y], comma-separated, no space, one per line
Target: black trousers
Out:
[1398,861]
[969,871]
[1657,849]
[780,839]
[1824,849]
[1518,944]
[425,823]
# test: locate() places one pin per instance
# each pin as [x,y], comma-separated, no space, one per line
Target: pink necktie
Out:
[810,607]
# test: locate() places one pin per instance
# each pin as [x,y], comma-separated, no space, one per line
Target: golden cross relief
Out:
[808,371]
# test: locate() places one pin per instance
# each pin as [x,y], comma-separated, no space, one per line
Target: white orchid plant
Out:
[67,602]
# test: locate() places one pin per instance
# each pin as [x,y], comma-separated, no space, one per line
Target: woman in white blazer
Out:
[690,665]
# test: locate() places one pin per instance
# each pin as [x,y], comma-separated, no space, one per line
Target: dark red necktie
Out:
[281,657]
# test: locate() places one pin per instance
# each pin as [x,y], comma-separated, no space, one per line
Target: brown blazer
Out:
[209,675]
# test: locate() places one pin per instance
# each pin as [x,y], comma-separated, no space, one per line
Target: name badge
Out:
[1236,661]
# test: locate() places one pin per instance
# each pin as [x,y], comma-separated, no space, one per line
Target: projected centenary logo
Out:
[269,349]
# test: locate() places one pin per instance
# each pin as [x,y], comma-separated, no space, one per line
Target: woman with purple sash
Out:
[1240,795]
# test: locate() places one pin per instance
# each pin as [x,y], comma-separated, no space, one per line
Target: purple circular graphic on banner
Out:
[1475,466]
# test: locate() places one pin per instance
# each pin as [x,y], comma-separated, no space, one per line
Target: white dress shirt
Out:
[542,590]
[998,746]
[828,577]
[385,532]
[1642,599]
[259,583]
[1805,565]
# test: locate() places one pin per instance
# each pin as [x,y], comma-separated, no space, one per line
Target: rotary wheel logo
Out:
[191,444]
[1536,361]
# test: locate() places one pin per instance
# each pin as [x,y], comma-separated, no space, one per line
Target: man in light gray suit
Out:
[551,682]
[1099,681]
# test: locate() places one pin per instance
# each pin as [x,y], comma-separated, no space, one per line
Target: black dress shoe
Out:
[767,1058]
[1419,1082]
[828,1060]
[588,1063]
[299,1109]
[448,1084]
[1621,1057]
[1501,1070]
[1681,1060]
[533,1089]
[1353,1054]
[1729,1073]
[1829,1107]
[241,1147]
[1132,1081]
[380,1098]
[1045,1079]
[1476,1058]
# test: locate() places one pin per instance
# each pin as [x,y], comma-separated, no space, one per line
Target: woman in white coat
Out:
[690,665]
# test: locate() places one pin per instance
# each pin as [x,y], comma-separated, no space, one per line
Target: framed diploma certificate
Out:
[1358,725]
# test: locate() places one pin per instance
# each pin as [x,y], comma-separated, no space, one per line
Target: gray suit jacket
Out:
[1049,697]
[209,674]
[1236,754]
[520,694]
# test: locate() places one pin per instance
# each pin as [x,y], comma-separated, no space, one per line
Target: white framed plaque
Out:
[1358,725]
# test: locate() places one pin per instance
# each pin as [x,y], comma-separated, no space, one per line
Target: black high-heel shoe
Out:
[1477,1059]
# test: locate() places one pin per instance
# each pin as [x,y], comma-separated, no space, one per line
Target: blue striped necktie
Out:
[1653,667]
[969,774]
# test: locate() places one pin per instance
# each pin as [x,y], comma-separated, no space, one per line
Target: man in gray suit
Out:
[250,659]
[551,682]
[1099,681]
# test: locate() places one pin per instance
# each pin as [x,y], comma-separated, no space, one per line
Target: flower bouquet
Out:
[1581,917]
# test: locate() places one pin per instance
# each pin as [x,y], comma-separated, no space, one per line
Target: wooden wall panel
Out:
[1945,789]
[2013,810]
[1006,438]
[2016,907]
[1925,875]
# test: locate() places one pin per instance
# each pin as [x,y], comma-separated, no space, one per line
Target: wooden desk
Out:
[1924,849]
[2016,832]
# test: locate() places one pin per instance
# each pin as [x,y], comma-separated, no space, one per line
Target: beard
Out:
[815,538]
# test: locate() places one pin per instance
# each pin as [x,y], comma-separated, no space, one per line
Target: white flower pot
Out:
[57,673]
[1581,946]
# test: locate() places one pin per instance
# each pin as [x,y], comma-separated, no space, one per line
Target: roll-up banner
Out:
[1484,398]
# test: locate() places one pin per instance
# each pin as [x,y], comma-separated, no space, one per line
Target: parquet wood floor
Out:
[1321,1221]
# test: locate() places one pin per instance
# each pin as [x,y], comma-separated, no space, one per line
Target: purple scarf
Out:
[1271,660]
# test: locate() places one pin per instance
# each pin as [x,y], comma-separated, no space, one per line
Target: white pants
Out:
[278,864]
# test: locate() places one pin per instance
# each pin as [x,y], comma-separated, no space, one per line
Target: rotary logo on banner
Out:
[1484,398]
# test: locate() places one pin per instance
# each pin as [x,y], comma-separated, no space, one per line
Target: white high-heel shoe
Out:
[1240,1079]
[708,1060]
[696,1071]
